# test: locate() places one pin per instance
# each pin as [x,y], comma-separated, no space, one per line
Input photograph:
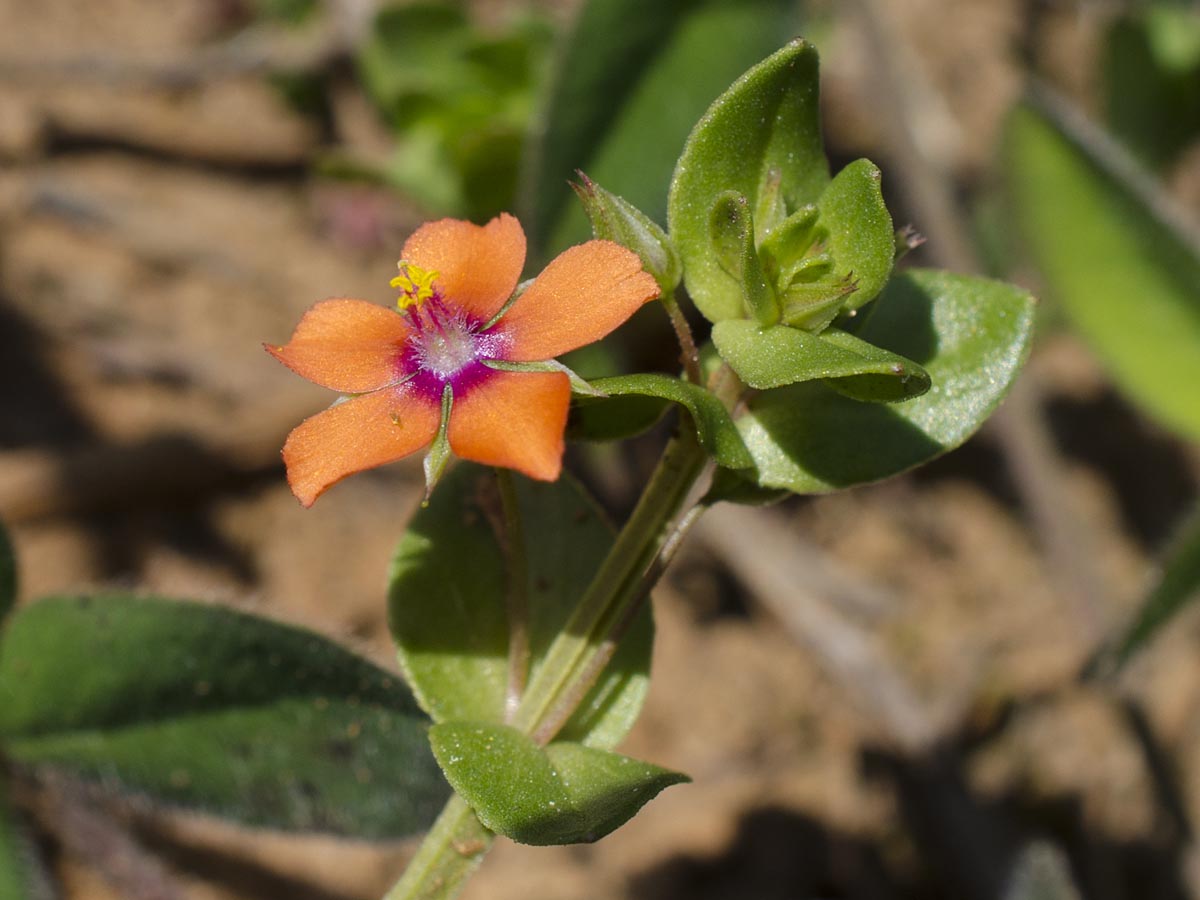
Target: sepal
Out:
[615,219]
[439,454]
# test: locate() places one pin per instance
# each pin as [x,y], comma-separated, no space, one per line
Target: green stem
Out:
[450,853]
[633,553]
[457,841]
[625,610]
[683,333]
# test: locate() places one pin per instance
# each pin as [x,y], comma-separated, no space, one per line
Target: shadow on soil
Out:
[116,491]
[952,844]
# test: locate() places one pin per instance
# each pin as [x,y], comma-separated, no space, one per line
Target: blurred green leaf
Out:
[411,55]
[458,98]
[214,710]
[1151,69]
[487,159]
[715,429]
[760,139]
[632,79]
[970,335]
[448,602]
[1178,585]
[1128,278]
[305,92]
[773,357]
[22,873]
[8,574]
[421,168]
[564,793]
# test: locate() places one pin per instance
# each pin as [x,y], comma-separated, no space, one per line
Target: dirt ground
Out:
[158,221]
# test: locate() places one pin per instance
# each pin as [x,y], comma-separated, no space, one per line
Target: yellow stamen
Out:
[415,284]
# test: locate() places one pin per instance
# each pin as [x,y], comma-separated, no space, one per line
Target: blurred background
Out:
[877,692]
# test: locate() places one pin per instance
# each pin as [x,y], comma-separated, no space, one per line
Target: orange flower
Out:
[453,347]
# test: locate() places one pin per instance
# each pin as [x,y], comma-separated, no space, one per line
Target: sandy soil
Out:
[152,236]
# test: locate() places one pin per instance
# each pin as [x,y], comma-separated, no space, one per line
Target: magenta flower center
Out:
[443,343]
[446,346]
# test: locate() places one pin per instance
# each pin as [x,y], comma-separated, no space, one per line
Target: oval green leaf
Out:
[632,79]
[970,334]
[210,709]
[861,237]
[448,601]
[715,429]
[773,357]
[565,793]
[1129,280]
[761,139]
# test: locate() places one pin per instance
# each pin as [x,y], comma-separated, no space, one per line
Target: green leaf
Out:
[861,237]
[410,51]
[1129,279]
[772,357]
[421,168]
[733,486]
[1151,68]
[971,335]
[888,377]
[1178,585]
[8,574]
[615,219]
[214,710]
[448,602]
[613,418]
[731,230]
[458,99]
[716,431]
[631,81]
[564,793]
[22,873]
[761,139]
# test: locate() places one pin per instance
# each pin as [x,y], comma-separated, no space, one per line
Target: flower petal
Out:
[357,434]
[515,420]
[477,266]
[347,345]
[585,293]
